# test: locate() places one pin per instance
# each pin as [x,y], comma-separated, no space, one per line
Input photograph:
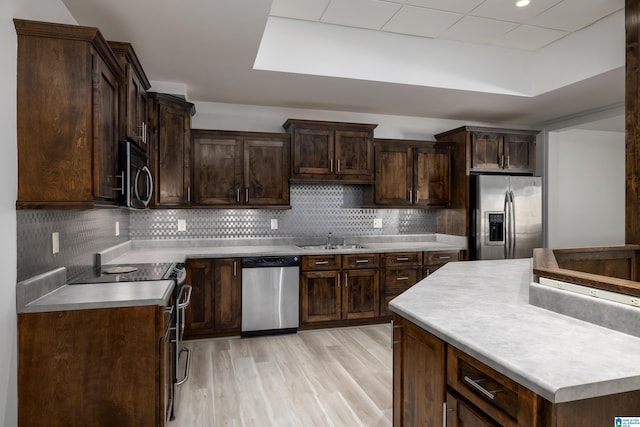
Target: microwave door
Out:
[143,187]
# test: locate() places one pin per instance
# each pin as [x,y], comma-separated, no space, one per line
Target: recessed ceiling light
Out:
[522,3]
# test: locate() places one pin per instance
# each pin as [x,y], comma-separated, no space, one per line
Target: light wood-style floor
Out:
[337,377]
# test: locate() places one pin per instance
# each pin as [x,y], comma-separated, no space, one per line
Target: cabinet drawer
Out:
[352,261]
[320,262]
[400,279]
[402,258]
[489,390]
[440,257]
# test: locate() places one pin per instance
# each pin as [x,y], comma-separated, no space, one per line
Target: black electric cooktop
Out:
[128,273]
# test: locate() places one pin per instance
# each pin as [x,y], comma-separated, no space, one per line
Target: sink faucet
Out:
[329,239]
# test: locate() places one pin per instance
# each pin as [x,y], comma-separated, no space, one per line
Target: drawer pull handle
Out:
[322,262]
[402,259]
[402,278]
[474,384]
[444,257]
[362,261]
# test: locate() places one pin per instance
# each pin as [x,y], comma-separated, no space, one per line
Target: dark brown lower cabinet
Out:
[216,300]
[433,380]
[331,294]
[95,367]
[461,414]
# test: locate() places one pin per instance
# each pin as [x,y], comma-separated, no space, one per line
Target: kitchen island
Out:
[489,355]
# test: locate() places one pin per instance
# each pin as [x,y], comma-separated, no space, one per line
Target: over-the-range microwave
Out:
[137,181]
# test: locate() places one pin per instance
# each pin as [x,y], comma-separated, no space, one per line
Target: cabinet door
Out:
[462,414]
[320,296]
[227,294]
[199,315]
[266,171]
[172,178]
[137,110]
[393,175]
[519,153]
[313,152]
[486,151]
[105,123]
[432,177]
[217,171]
[418,376]
[361,294]
[354,153]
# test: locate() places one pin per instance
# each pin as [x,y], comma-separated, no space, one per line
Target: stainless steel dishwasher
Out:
[270,295]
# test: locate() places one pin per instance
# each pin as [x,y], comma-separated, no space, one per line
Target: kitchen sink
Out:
[331,247]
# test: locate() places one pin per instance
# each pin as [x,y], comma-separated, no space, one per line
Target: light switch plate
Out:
[377,222]
[274,223]
[182,225]
[117,228]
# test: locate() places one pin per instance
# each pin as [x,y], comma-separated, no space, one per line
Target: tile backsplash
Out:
[81,234]
[316,210]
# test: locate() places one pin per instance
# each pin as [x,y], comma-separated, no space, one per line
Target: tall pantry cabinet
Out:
[67,115]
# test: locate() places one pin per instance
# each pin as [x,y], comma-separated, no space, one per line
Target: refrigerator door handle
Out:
[507,228]
[512,221]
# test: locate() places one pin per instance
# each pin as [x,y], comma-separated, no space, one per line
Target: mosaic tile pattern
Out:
[82,233]
[316,210]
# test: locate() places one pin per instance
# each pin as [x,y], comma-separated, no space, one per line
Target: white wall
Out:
[586,188]
[220,116]
[44,10]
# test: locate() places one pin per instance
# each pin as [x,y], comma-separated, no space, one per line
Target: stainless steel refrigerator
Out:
[506,216]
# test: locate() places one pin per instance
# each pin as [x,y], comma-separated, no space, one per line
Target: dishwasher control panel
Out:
[271,261]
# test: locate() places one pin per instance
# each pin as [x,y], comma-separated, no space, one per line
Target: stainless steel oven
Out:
[137,181]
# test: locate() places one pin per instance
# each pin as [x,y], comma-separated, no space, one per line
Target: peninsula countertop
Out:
[481,307]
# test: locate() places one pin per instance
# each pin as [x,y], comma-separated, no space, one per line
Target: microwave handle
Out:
[149,181]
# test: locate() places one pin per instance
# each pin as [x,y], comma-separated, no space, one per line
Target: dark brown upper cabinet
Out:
[169,148]
[67,117]
[411,173]
[240,169]
[331,151]
[496,150]
[133,96]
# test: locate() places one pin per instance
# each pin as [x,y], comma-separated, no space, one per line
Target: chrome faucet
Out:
[329,239]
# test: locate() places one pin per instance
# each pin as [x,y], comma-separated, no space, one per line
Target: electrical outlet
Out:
[593,293]
[274,223]
[117,228]
[377,222]
[182,225]
[635,301]
[560,285]
[55,242]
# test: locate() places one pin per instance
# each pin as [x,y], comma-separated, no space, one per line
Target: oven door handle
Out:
[187,299]
[187,366]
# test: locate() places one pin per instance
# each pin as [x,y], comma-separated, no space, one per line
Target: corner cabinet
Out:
[331,151]
[240,169]
[411,173]
[169,148]
[133,95]
[436,384]
[216,301]
[67,116]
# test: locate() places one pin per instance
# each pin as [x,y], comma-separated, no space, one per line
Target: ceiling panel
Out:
[571,15]
[419,21]
[460,6]
[372,14]
[478,30]
[527,37]
[508,11]
[309,10]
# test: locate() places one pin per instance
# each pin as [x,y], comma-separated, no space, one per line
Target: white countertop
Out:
[481,307]
[103,295]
